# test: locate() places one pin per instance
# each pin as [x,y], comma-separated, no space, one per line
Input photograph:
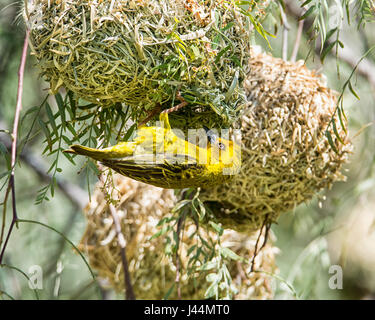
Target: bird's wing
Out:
[155,159]
[166,170]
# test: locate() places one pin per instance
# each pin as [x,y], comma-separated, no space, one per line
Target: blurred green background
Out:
[339,230]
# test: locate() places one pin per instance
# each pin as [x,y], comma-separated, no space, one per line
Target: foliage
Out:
[206,254]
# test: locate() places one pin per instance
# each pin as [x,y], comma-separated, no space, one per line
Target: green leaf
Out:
[51,120]
[130,132]
[347,9]
[202,210]
[305,3]
[170,290]
[191,249]
[352,91]
[216,227]
[85,117]
[46,133]
[29,111]
[73,105]
[211,291]
[336,132]
[258,27]
[226,273]
[308,13]
[211,277]
[341,120]
[228,253]
[205,243]
[69,157]
[179,205]
[327,50]
[54,163]
[165,220]
[330,33]
[87,106]
[93,167]
[61,105]
[228,26]
[161,232]
[208,266]
[330,141]
[221,52]
[6,155]
[66,139]
[71,129]
[4,174]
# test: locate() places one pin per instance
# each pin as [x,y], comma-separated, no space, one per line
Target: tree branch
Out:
[180,223]
[129,292]
[11,185]
[286,28]
[76,195]
[297,43]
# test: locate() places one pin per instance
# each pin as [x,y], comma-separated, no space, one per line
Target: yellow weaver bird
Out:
[160,157]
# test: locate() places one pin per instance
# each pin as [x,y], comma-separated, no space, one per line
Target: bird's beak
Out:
[69,151]
[210,135]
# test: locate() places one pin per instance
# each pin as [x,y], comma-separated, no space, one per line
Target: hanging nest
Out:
[142,53]
[140,207]
[286,155]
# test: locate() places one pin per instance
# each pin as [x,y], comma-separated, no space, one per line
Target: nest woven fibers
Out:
[286,156]
[143,52]
[140,207]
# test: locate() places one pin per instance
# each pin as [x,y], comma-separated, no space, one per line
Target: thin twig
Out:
[179,106]
[14,218]
[21,72]
[129,293]
[297,43]
[255,250]
[4,214]
[157,109]
[286,29]
[26,9]
[180,224]
[151,114]
[266,234]
[266,224]
[175,108]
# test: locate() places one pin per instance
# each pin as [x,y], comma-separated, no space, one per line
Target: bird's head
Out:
[225,152]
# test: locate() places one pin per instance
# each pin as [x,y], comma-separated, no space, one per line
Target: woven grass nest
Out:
[286,155]
[143,52]
[140,207]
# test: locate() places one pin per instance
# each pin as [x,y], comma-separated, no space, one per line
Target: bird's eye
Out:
[221,146]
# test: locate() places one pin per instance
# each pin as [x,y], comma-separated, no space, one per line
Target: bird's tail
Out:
[123,149]
[86,151]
